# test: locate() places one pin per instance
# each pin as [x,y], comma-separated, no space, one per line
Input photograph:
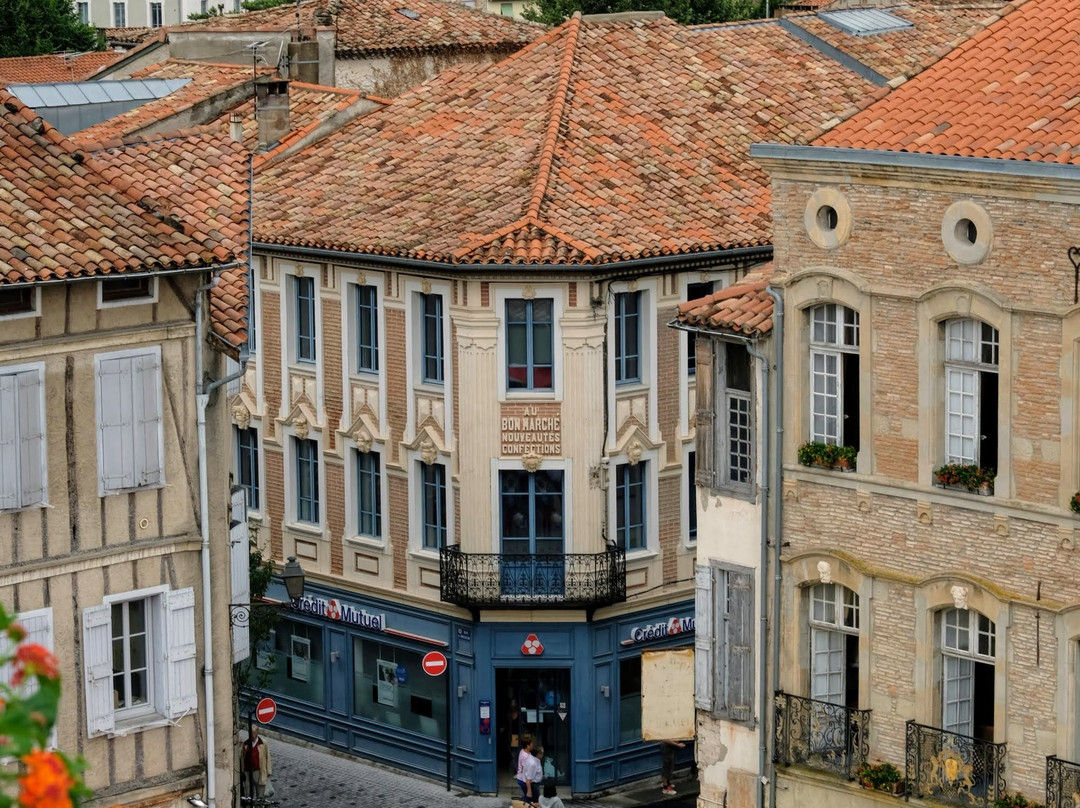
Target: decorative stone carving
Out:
[425,286]
[863,500]
[631,286]
[633,452]
[361,279]
[959,597]
[791,490]
[531,461]
[824,571]
[299,271]
[241,415]
[923,513]
[428,452]
[301,427]
[824,288]
[363,439]
[1001,525]
[528,291]
[1066,538]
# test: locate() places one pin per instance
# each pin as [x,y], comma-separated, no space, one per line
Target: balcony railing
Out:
[820,735]
[952,768]
[492,580]
[1062,783]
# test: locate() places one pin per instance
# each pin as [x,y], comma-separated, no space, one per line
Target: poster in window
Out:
[264,657]
[301,658]
[387,682]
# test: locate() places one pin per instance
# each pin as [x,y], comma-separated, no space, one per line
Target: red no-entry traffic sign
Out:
[433,663]
[265,710]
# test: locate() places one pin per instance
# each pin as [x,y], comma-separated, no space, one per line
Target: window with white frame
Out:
[529,344]
[433,518]
[130,437]
[724,641]
[431,338]
[119,11]
[20,301]
[968,651]
[304,322]
[734,435]
[628,337]
[307,480]
[83,8]
[971,393]
[695,291]
[22,438]
[368,494]
[247,465]
[630,490]
[139,659]
[157,18]
[366,301]
[834,645]
[834,375]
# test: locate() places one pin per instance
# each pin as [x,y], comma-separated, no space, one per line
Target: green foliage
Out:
[259,5]
[969,477]
[827,455]
[688,12]
[211,11]
[260,623]
[878,776]
[1016,800]
[37,27]
[1074,503]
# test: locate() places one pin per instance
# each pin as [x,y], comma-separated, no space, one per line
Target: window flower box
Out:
[1074,503]
[880,777]
[828,456]
[972,479]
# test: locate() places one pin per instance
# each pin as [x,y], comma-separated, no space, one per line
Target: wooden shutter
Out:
[181,696]
[31,440]
[9,442]
[239,575]
[116,450]
[146,400]
[97,662]
[703,639]
[705,430]
[740,646]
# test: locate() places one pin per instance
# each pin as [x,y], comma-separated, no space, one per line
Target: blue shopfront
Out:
[346,672]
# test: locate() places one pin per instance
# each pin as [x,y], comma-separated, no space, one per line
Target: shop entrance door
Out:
[535,701]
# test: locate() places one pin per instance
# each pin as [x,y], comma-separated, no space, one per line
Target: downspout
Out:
[202,400]
[778,501]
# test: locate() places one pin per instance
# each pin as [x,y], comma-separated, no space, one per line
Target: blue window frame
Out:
[627,337]
[368,495]
[691,497]
[433,485]
[630,505]
[431,359]
[531,508]
[305,319]
[529,344]
[367,329]
[695,291]
[247,464]
[307,480]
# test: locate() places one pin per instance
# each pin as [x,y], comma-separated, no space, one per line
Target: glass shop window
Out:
[389,687]
[293,661]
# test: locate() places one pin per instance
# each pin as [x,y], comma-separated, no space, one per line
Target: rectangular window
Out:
[304,296]
[724,666]
[410,701]
[433,521]
[131,667]
[119,11]
[691,497]
[294,660]
[120,290]
[367,329]
[84,11]
[506,9]
[129,421]
[156,16]
[695,291]
[529,344]
[368,495]
[20,300]
[247,464]
[22,439]
[307,480]
[252,316]
[630,505]
[971,393]
[738,444]
[834,375]
[431,358]
[630,699]
[627,337]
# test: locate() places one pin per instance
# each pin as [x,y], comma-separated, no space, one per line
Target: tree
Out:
[36,27]
[688,12]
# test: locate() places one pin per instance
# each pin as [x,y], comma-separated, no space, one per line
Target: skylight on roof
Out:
[864,21]
[412,15]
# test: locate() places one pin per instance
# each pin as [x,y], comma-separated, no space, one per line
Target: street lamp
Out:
[293,577]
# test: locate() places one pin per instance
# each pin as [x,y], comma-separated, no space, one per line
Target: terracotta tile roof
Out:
[602,141]
[744,308]
[66,214]
[207,81]
[130,36]
[1008,92]
[278,18]
[45,69]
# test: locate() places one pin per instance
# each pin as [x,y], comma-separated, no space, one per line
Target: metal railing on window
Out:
[952,768]
[1062,783]
[820,735]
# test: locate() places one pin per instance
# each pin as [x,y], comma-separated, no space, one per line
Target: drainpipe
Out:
[778,501]
[202,400]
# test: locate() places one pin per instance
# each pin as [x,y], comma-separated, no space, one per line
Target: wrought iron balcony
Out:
[820,735]
[492,580]
[952,768]
[1062,783]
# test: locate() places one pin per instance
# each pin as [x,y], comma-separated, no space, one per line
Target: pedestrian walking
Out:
[523,756]
[255,764]
[534,773]
[667,767]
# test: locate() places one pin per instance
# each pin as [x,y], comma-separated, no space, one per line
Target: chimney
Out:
[236,127]
[272,111]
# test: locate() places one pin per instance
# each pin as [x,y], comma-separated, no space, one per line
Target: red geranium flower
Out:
[34,660]
[47,782]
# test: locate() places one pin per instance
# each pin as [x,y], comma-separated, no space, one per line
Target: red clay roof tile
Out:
[54,68]
[745,308]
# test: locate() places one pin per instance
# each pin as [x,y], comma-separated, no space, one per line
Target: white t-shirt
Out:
[533,770]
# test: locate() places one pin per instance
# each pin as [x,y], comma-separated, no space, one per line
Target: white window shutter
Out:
[115,425]
[146,398]
[39,631]
[703,639]
[239,560]
[97,661]
[181,695]
[31,439]
[9,442]
[740,686]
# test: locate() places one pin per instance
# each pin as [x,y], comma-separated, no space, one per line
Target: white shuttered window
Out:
[22,437]
[724,653]
[39,631]
[130,440]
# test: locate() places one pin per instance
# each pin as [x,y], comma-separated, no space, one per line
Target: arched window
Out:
[834,375]
[968,650]
[971,393]
[834,645]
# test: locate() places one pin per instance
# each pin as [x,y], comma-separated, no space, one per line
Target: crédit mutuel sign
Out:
[341,612]
[660,630]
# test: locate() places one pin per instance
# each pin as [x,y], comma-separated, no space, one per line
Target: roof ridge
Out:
[520,224]
[551,136]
